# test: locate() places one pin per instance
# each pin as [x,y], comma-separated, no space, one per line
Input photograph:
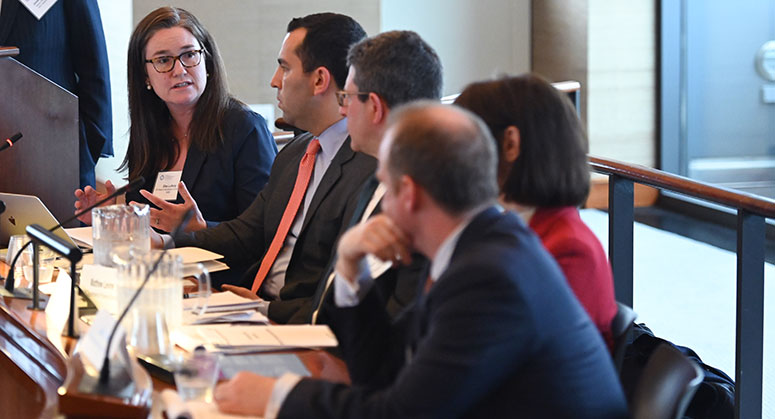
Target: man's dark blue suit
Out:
[500,334]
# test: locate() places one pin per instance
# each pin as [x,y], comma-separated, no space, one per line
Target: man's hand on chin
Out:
[378,236]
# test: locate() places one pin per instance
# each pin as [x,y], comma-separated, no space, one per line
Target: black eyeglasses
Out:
[341,96]
[166,63]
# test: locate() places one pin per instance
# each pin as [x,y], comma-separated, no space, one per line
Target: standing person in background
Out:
[184,119]
[67,46]
[544,177]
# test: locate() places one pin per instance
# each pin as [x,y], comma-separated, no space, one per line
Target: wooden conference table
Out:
[35,363]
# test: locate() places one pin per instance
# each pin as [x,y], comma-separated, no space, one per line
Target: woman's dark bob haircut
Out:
[551,169]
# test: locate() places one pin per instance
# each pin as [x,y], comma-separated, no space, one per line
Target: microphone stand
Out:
[9,142]
[9,282]
[41,236]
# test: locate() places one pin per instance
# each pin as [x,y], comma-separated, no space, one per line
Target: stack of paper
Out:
[251,317]
[82,236]
[242,339]
[223,307]
[192,256]
[221,302]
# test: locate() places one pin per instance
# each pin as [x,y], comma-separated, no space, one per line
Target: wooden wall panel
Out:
[559,42]
[610,47]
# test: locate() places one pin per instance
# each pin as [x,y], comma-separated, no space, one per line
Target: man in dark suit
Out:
[497,333]
[293,246]
[391,68]
[67,46]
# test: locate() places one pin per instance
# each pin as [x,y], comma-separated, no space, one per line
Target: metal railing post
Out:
[749,340]
[620,236]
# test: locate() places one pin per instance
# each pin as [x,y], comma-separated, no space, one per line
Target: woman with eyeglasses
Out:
[183,119]
[544,177]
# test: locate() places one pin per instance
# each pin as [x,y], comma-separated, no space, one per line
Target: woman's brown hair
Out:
[151,146]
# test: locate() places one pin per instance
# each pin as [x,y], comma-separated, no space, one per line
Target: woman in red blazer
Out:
[544,176]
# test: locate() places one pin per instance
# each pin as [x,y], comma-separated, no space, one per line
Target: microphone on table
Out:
[131,186]
[9,142]
[105,371]
[41,236]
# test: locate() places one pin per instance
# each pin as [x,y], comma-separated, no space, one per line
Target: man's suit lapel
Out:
[473,229]
[324,287]
[364,197]
[419,322]
[330,178]
[478,225]
[366,194]
[418,317]
[7,17]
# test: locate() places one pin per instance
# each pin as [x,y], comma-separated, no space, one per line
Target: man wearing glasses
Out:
[387,70]
[292,226]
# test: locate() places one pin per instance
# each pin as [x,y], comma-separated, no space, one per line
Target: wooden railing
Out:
[570,87]
[282,138]
[9,51]
[752,211]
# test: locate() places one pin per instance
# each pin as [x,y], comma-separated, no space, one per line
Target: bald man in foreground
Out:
[497,333]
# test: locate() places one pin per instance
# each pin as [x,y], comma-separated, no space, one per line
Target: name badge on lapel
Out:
[166,186]
[38,8]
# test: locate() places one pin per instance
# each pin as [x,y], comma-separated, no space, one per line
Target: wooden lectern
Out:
[45,161]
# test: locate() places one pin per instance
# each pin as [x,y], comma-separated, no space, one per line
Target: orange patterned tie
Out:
[302,180]
[428,285]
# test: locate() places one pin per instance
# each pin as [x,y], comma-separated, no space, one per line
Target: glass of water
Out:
[119,229]
[15,244]
[46,260]
[196,375]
